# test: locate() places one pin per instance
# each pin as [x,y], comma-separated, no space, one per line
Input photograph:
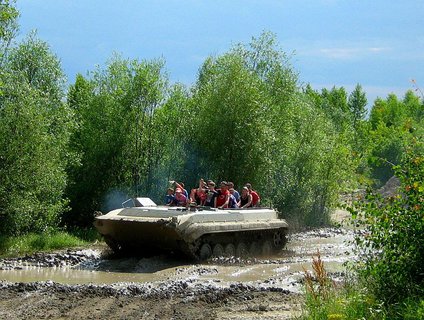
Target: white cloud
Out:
[349,53]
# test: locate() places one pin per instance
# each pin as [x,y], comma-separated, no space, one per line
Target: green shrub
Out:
[324,300]
[391,274]
[392,244]
[413,309]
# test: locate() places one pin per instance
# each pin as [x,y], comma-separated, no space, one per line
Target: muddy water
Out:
[282,271]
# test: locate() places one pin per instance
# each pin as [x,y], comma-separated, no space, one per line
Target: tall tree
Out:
[38,67]
[357,105]
[253,124]
[171,127]
[227,116]
[394,124]
[35,127]
[8,26]
[115,109]
[335,105]
[307,169]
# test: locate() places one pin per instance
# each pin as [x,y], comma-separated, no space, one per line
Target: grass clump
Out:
[319,290]
[324,300]
[54,240]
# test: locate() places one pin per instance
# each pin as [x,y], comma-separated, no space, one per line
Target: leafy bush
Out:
[391,248]
[392,244]
[412,309]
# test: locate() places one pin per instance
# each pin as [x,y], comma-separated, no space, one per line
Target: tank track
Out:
[238,244]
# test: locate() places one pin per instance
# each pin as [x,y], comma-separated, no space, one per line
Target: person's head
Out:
[230,184]
[203,184]
[170,191]
[182,184]
[248,186]
[223,185]
[211,184]
[178,192]
[245,191]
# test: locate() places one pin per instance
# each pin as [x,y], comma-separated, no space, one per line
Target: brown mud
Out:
[93,284]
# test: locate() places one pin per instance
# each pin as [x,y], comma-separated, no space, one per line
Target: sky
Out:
[376,43]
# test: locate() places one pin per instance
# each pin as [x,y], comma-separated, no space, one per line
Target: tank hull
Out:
[138,236]
[141,230]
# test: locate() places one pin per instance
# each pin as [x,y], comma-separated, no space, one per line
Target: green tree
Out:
[232,101]
[252,123]
[389,112]
[116,138]
[227,127]
[357,105]
[393,123]
[335,105]
[172,125]
[8,26]
[414,109]
[394,227]
[311,164]
[35,128]
[37,66]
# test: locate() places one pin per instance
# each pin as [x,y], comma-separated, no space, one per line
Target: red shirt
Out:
[201,195]
[255,198]
[180,199]
[222,197]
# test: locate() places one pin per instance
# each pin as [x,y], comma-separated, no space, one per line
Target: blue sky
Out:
[378,44]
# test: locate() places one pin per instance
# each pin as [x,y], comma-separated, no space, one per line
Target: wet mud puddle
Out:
[282,271]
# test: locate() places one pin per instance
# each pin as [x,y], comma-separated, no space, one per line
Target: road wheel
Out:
[218,250]
[254,249]
[279,239]
[205,251]
[266,248]
[230,250]
[242,250]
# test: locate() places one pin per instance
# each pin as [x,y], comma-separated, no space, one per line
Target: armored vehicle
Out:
[198,232]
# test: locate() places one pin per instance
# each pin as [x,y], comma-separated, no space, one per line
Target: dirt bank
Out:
[175,301]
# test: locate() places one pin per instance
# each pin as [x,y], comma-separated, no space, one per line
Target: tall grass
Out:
[30,243]
[320,293]
[350,301]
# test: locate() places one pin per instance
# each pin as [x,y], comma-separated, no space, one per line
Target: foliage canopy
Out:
[124,130]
